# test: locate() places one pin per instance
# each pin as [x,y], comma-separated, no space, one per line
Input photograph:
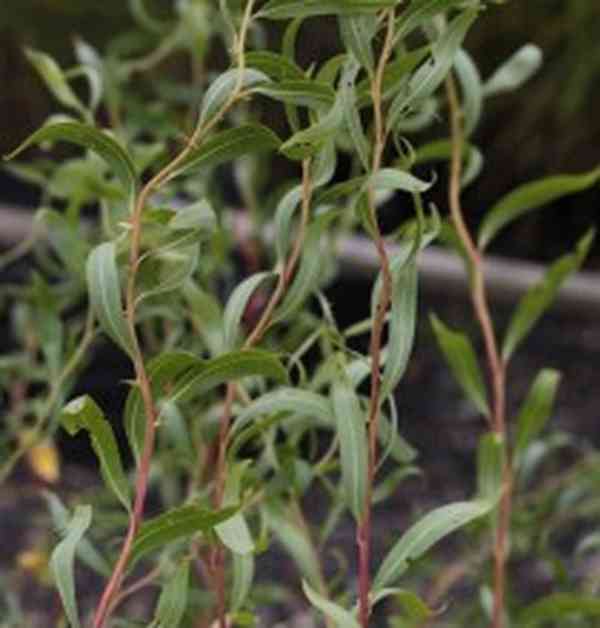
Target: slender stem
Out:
[285,277]
[363,531]
[496,366]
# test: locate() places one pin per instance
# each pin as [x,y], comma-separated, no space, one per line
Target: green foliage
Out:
[248,397]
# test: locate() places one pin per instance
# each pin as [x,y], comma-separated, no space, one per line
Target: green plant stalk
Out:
[285,277]
[496,366]
[113,587]
[363,532]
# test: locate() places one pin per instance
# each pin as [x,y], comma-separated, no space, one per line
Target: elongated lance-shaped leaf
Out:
[105,294]
[176,524]
[162,372]
[234,532]
[529,197]
[352,434]
[394,75]
[559,606]
[295,541]
[85,551]
[228,145]
[222,88]
[395,179]
[287,400]
[310,269]
[84,413]
[351,113]
[424,534]
[536,409]
[55,79]
[412,605]
[518,69]
[490,465]
[427,78]
[236,306]
[94,139]
[472,92]
[307,142]
[243,575]
[342,617]
[301,92]
[418,13]
[357,32]
[173,599]
[540,297]
[402,325]
[285,9]
[63,556]
[228,367]
[274,65]
[460,355]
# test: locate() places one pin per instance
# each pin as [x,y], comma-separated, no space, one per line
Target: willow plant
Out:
[231,419]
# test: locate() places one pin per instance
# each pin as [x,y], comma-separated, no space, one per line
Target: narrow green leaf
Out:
[228,367]
[558,607]
[234,532]
[286,207]
[418,13]
[302,92]
[357,32]
[162,372]
[173,599]
[229,145]
[395,179]
[63,556]
[394,75]
[424,534]
[518,69]
[85,551]
[66,240]
[306,142]
[55,79]
[413,607]
[341,617]
[352,434]
[222,88]
[460,355]
[530,196]
[536,409]
[310,269]
[83,413]
[176,524]
[285,9]
[287,400]
[296,543]
[275,66]
[472,92]
[429,76]
[89,137]
[199,216]
[490,466]
[351,112]
[243,575]
[539,298]
[236,306]
[402,325]
[105,294]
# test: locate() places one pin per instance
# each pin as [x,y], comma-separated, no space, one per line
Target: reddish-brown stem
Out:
[496,366]
[113,587]
[285,276]
[363,531]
